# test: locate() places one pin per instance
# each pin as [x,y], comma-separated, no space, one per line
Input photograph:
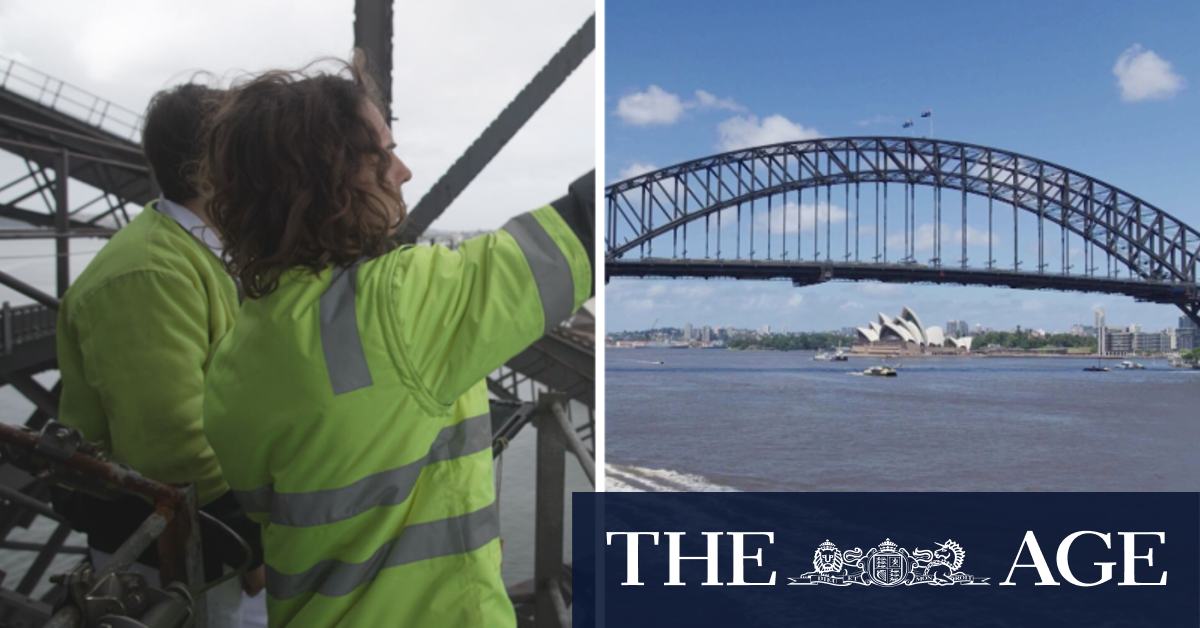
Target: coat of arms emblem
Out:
[888,565]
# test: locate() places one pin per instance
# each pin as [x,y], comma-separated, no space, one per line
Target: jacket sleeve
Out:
[144,340]
[462,314]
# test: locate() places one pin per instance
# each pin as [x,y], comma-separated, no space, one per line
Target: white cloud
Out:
[746,131]
[653,106]
[640,305]
[795,300]
[706,100]
[881,289]
[802,216]
[1032,305]
[636,169]
[658,106]
[1143,75]
[951,237]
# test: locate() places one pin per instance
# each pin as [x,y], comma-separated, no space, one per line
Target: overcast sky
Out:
[456,64]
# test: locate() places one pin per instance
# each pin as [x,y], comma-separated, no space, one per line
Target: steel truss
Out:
[63,133]
[1129,246]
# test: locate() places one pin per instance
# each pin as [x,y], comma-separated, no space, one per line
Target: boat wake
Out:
[629,479]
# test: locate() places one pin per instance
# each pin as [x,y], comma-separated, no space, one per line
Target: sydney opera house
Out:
[906,335]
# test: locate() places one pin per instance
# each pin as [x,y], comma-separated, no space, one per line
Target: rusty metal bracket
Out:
[58,441]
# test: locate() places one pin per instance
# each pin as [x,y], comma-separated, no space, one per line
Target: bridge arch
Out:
[1149,242]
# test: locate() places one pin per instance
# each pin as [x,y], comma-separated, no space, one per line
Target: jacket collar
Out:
[191,223]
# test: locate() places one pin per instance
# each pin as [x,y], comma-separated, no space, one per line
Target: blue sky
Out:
[1109,89]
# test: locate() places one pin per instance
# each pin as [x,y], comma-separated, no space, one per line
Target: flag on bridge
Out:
[927,113]
[908,123]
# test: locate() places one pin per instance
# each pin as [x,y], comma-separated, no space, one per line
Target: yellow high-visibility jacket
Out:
[135,332]
[349,413]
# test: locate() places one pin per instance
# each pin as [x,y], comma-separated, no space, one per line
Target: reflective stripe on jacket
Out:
[349,412]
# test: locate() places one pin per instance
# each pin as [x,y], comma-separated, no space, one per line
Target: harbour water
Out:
[779,421]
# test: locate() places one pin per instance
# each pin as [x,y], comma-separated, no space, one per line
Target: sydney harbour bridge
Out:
[900,210]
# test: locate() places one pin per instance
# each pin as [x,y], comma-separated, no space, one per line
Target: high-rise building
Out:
[766,329]
[952,328]
[1101,333]
[1118,341]
[687,331]
[706,334]
[1187,335]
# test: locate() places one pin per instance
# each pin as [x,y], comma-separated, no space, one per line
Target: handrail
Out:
[556,436]
[65,98]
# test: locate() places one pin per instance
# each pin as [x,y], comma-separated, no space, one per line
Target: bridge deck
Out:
[805,273]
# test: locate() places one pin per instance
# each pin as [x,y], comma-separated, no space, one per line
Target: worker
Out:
[348,407]
[135,333]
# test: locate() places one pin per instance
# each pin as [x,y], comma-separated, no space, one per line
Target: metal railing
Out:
[556,436]
[110,593]
[65,98]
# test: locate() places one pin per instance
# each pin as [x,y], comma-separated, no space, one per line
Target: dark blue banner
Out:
[890,559]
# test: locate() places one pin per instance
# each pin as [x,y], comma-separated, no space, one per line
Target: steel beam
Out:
[373,20]
[1125,228]
[500,131]
[550,501]
[808,273]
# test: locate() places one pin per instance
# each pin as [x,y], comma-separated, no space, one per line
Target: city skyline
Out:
[748,305]
[694,329]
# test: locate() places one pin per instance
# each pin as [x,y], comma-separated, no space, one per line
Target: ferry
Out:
[881,371]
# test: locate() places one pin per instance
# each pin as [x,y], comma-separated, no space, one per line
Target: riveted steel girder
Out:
[1153,244]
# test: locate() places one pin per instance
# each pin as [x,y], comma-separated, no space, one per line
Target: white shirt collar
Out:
[191,223]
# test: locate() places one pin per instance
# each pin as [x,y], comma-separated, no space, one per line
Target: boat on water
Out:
[880,371]
[1126,365]
[838,356]
[1097,368]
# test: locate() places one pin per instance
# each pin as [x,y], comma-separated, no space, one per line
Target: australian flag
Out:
[928,113]
[908,123]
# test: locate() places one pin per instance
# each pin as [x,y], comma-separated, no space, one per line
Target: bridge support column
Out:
[1192,311]
[62,243]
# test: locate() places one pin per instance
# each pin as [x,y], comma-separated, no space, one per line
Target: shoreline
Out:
[973,355]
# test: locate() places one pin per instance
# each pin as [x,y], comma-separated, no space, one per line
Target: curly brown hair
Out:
[283,166]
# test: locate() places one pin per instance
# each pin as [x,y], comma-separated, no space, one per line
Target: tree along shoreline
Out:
[989,341]
[956,356]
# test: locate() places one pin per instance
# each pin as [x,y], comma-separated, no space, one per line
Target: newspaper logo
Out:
[888,565]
